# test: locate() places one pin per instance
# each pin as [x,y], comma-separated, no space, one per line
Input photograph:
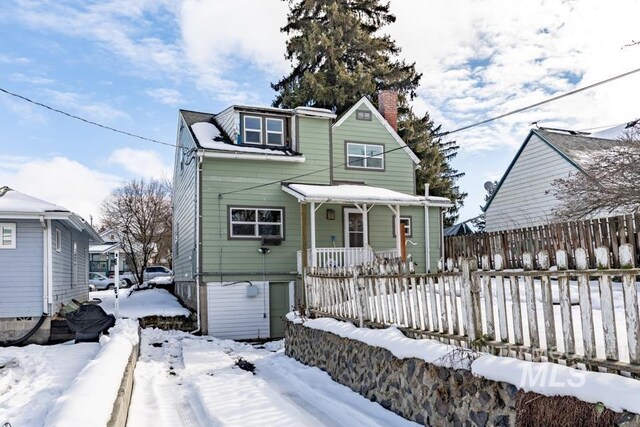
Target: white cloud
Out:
[82,105]
[59,180]
[165,95]
[144,163]
[34,80]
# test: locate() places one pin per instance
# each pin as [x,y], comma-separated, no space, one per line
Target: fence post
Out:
[530,296]
[630,303]
[584,298]
[471,293]
[360,297]
[547,302]
[606,305]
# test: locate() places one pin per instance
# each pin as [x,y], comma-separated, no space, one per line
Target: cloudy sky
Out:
[131,64]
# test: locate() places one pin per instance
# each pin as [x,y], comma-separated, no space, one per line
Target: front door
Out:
[353,228]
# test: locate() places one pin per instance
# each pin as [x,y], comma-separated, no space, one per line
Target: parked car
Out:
[102,282]
[154,271]
[127,276]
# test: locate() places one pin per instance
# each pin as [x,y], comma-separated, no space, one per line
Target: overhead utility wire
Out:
[73,116]
[537,104]
[304,174]
[519,110]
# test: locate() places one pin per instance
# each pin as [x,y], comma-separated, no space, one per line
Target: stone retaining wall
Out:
[412,388]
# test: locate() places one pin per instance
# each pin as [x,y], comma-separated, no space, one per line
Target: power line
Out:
[537,104]
[606,126]
[91,122]
[305,174]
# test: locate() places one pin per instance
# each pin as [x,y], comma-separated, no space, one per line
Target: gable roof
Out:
[365,101]
[577,149]
[16,205]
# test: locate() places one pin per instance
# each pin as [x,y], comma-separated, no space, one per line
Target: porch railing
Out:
[344,257]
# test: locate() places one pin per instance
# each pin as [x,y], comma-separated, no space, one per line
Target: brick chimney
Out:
[388,107]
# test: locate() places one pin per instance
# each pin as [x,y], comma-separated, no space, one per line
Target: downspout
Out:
[427,252]
[45,265]
[50,268]
[47,268]
[198,239]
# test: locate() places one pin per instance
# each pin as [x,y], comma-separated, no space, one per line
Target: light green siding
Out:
[398,173]
[185,216]
[221,254]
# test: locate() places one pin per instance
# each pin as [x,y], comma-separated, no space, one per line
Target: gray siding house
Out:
[523,197]
[44,263]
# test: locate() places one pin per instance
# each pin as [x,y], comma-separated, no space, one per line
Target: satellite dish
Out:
[489,186]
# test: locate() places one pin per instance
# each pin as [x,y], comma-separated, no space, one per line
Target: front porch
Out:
[347,225]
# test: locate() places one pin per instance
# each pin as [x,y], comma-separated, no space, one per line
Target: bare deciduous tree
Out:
[140,212]
[610,182]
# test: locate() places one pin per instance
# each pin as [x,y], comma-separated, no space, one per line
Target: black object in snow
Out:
[89,321]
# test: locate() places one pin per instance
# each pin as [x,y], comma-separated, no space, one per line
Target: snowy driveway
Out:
[194,381]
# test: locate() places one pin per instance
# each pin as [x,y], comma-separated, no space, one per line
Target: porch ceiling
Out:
[354,194]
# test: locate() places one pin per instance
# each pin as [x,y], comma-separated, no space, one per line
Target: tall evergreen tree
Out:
[435,155]
[339,56]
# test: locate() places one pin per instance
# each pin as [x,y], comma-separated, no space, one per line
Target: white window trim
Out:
[281,133]
[409,232]
[12,227]
[365,115]
[244,127]
[255,223]
[58,240]
[365,157]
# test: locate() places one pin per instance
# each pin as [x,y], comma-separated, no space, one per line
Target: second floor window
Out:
[260,130]
[275,132]
[252,130]
[365,156]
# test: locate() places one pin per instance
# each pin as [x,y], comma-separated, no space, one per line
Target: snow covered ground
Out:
[66,384]
[194,381]
[137,304]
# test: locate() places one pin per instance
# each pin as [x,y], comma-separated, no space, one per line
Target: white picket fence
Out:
[584,317]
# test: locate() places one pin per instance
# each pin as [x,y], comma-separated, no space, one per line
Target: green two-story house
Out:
[260,193]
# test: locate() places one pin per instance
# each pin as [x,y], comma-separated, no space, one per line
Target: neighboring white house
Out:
[524,196]
[44,263]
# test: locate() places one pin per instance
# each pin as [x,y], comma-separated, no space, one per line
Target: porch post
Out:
[397,226]
[365,227]
[313,234]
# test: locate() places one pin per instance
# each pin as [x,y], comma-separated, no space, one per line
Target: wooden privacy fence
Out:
[581,317]
[611,232]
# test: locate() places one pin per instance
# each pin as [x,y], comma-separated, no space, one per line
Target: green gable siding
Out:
[398,174]
[223,175]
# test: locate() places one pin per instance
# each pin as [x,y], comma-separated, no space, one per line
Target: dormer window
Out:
[275,132]
[264,130]
[252,130]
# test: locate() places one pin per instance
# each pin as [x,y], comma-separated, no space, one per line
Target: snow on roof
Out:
[618,131]
[208,135]
[100,249]
[349,193]
[580,149]
[15,201]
